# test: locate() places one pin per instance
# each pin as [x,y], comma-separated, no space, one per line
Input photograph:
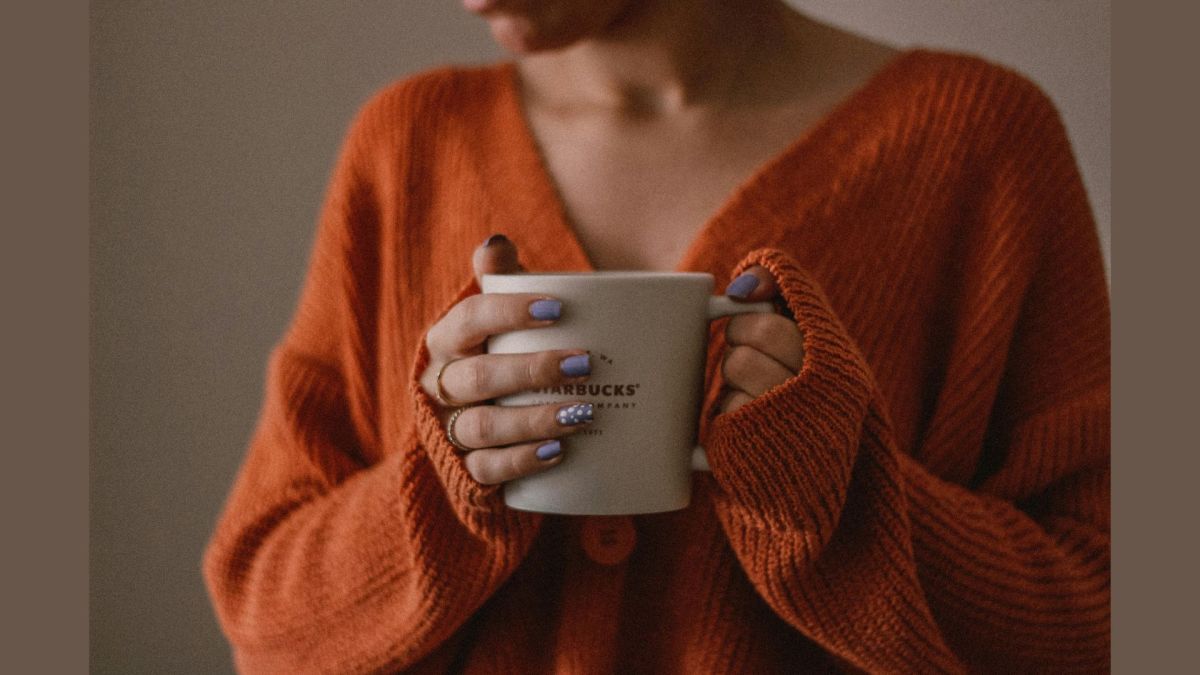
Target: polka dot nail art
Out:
[575,414]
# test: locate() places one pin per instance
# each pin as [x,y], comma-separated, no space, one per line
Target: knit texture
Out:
[929,494]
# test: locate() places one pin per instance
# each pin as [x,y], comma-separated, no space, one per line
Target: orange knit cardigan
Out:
[929,494]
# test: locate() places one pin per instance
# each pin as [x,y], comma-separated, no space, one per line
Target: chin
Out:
[519,35]
[525,27]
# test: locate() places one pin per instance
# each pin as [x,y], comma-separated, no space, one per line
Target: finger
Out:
[497,255]
[752,371]
[465,327]
[487,426]
[753,285]
[492,466]
[774,335]
[734,399]
[487,376]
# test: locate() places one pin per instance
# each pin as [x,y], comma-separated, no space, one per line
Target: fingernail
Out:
[576,366]
[494,239]
[742,286]
[575,414]
[548,451]
[545,310]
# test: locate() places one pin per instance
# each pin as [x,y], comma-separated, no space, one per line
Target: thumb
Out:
[497,255]
[753,285]
[756,284]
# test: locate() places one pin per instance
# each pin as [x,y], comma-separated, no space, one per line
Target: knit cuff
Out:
[784,459]
[477,505]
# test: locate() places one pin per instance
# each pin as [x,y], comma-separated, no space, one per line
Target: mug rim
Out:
[607,274]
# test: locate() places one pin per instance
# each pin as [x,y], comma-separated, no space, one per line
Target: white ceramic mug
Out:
[647,334]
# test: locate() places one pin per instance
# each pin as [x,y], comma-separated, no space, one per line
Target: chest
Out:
[638,194]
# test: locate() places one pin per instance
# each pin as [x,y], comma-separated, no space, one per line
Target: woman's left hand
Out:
[764,350]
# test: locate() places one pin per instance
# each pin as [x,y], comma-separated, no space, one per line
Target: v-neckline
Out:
[554,245]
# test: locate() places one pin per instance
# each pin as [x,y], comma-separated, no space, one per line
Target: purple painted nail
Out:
[545,310]
[494,239]
[549,451]
[578,413]
[742,286]
[576,366]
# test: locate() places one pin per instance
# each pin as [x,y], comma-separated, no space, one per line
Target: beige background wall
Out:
[214,126]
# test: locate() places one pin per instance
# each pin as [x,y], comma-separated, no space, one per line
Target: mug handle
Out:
[721,306]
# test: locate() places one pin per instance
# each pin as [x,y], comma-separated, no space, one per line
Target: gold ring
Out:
[450,428]
[439,391]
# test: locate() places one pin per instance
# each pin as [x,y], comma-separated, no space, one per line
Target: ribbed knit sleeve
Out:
[340,550]
[897,568]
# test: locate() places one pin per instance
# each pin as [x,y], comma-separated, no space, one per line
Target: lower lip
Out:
[480,5]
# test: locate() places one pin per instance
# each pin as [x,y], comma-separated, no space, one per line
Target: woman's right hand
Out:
[503,442]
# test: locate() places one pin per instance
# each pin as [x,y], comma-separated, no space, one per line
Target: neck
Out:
[663,56]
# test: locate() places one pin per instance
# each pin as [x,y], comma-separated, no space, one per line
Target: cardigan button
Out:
[608,540]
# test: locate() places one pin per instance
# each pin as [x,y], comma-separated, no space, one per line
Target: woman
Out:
[909,466]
